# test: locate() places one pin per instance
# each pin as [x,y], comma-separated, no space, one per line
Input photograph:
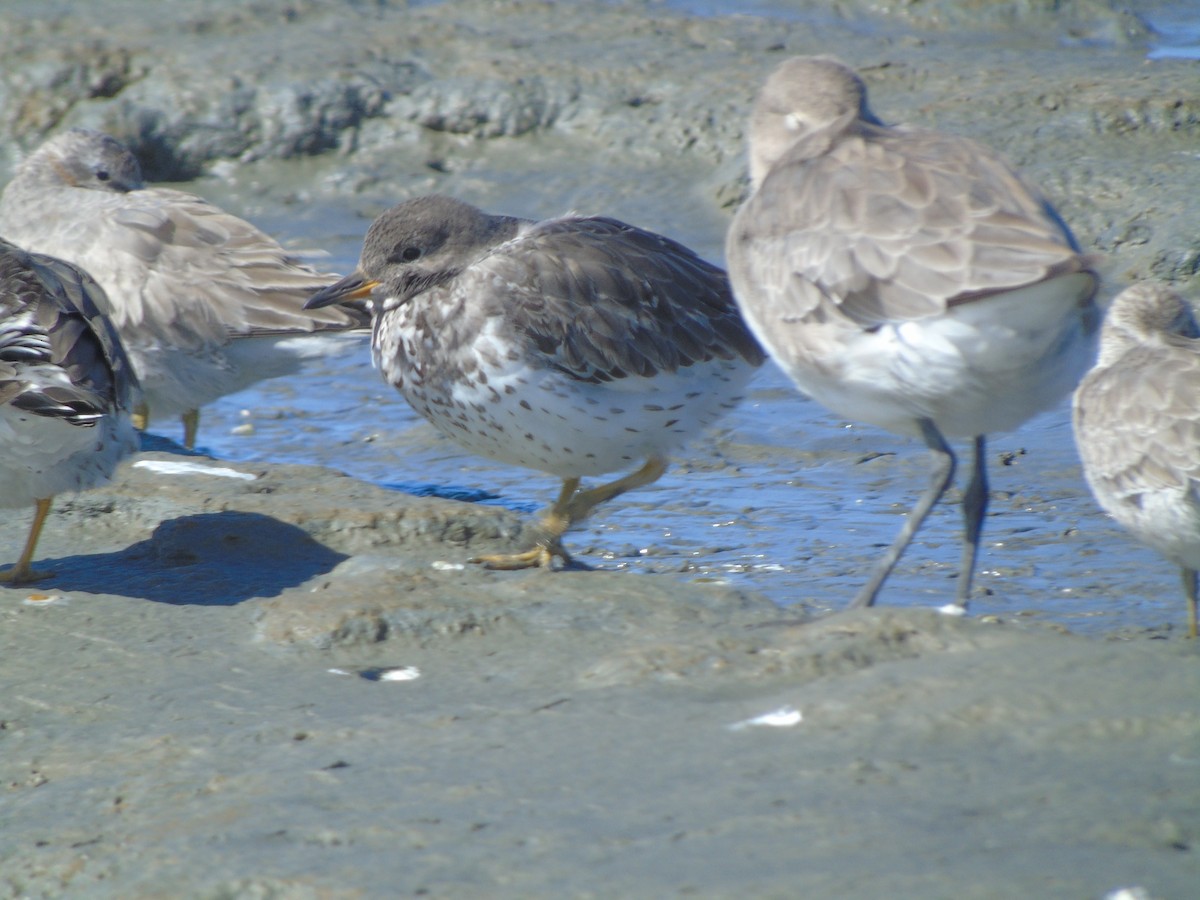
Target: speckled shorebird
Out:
[205,303]
[577,345]
[1137,425]
[905,278]
[66,388]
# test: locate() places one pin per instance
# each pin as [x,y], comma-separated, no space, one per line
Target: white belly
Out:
[545,420]
[44,456]
[980,368]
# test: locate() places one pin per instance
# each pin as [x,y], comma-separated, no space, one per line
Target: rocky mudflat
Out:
[252,680]
[270,681]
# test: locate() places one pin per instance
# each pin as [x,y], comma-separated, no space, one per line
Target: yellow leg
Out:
[191,424]
[141,416]
[548,544]
[571,507]
[23,571]
[585,501]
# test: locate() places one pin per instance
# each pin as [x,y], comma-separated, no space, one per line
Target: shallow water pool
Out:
[781,497]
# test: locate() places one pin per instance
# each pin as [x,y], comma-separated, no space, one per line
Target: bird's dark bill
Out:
[352,287]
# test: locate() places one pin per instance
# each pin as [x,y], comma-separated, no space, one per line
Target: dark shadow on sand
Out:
[463,494]
[148,441]
[211,559]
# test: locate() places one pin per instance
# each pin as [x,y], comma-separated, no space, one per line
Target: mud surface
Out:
[171,723]
[201,713]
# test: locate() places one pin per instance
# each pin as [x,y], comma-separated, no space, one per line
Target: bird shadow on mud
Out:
[209,559]
[462,494]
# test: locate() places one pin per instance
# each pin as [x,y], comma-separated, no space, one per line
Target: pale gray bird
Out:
[205,303]
[905,278]
[577,345]
[1137,425]
[66,389]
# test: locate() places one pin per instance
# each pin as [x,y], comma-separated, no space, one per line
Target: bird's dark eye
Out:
[102,174]
[405,254]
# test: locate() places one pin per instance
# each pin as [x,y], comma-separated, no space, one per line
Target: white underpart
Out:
[46,456]
[979,368]
[546,420]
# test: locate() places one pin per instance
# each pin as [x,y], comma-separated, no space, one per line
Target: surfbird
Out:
[905,278]
[205,303]
[66,388]
[576,346]
[1137,425]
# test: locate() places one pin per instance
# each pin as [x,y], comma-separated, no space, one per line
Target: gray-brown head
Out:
[804,97]
[417,244]
[1142,312]
[85,159]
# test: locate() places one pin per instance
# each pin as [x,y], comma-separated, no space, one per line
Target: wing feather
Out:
[894,225]
[183,273]
[601,300]
[1139,423]
[59,355]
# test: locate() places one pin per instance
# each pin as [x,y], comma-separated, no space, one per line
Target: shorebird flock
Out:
[901,277]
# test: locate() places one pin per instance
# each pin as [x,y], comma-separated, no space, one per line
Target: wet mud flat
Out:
[171,723]
[290,684]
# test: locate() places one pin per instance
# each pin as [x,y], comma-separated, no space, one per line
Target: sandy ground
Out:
[173,724]
[170,721]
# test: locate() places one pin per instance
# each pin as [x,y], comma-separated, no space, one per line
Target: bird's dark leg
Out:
[1189,590]
[943,474]
[974,506]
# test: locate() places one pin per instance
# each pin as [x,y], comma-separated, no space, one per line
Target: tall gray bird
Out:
[905,278]
[205,303]
[1137,425]
[66,388]
[576,346]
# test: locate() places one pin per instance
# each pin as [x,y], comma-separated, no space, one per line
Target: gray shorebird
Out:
[205,303]
[905,278]
[577,346]
[66,388]
[1137,425]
